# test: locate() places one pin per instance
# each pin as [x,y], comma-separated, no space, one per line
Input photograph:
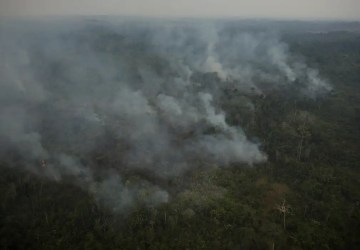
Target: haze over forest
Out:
[155,125]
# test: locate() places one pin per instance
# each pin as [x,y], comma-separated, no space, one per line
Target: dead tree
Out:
[284,209]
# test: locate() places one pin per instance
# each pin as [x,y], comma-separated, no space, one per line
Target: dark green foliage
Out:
[314,154]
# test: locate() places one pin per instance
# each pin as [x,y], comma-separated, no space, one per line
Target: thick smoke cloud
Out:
[100,102]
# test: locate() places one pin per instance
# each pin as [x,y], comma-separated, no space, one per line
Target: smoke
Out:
[120,106]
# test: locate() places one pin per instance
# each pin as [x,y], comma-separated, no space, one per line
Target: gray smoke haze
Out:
[103,101]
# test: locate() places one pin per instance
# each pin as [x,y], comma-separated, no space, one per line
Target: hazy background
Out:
[280,9]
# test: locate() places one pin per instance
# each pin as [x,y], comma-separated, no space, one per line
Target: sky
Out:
[279,9]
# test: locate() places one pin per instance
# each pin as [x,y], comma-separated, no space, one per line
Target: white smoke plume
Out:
[105,101]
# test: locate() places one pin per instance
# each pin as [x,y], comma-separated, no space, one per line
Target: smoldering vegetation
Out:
[123,108]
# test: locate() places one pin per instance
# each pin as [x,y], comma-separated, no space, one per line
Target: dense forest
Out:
[299,190]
